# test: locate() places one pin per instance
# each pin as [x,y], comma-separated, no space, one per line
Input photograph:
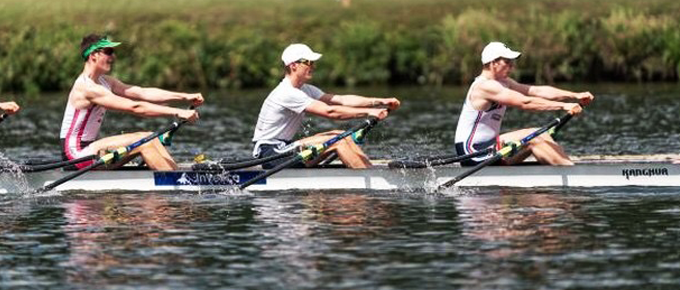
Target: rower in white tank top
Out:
[478,130]
[80,127]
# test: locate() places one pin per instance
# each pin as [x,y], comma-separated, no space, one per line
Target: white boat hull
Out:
[598,174]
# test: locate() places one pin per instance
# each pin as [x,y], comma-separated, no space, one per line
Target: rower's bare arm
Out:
[153,95]
[339,112]
[495,92]
[360,101]
[102,97]
[556,94]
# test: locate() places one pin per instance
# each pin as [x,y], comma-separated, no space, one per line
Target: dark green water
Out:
[487,238]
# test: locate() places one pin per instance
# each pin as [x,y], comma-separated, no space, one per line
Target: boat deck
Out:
[590,171]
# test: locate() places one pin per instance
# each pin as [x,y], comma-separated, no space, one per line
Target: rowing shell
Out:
[587,173]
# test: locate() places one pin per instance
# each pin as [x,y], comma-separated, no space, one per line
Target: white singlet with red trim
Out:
[82,125]
[478,127]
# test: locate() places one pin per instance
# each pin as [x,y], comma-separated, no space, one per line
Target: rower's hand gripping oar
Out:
[111,156]
[507,150]
[311,152]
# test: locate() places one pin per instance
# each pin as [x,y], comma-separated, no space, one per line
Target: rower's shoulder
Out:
[488,86]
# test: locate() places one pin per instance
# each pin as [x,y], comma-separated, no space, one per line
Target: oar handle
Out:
[3,116]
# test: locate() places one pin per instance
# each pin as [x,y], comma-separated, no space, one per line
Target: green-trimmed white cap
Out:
[102,43]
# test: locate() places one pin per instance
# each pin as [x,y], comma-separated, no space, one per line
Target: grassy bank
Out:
[203,44]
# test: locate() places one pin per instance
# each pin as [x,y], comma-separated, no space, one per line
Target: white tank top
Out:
[475,126]
[81,125]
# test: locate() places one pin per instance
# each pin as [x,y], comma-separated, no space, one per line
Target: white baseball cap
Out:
[298,51]
[494,50]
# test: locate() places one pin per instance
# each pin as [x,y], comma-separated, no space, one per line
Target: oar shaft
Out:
[3,116]
[478,167]
[37,168]
[71,176]
[258,161]
[554,123]
[268,173]
[507,150]
[220,166]
[368,123]
[155,135]
[109,157]
[310,153]
[447,159]
[364,127]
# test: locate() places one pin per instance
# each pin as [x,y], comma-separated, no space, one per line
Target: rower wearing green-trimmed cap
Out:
[103,42]
[94,93]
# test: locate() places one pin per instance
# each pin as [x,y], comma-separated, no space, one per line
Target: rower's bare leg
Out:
[544,148]
[153,152]
[349,152]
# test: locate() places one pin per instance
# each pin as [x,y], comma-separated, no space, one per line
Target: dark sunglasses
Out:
[108,51]
[306,62]
[510,62]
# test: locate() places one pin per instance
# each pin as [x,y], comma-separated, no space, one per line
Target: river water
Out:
[481,238]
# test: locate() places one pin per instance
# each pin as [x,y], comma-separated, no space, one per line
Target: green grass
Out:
[184,44]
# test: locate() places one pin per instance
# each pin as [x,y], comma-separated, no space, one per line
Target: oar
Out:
[166,138]
[358,136]
[311,152]
[507,150]
[437,161]
[110,157]
[450,158]
[49,164]
[59,164]
[223,165]
[3,116]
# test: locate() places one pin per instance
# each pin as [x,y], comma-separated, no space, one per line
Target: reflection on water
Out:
[522,222]
[490,238]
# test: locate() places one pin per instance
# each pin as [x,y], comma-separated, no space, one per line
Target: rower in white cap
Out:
[491,92]
[284,109]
